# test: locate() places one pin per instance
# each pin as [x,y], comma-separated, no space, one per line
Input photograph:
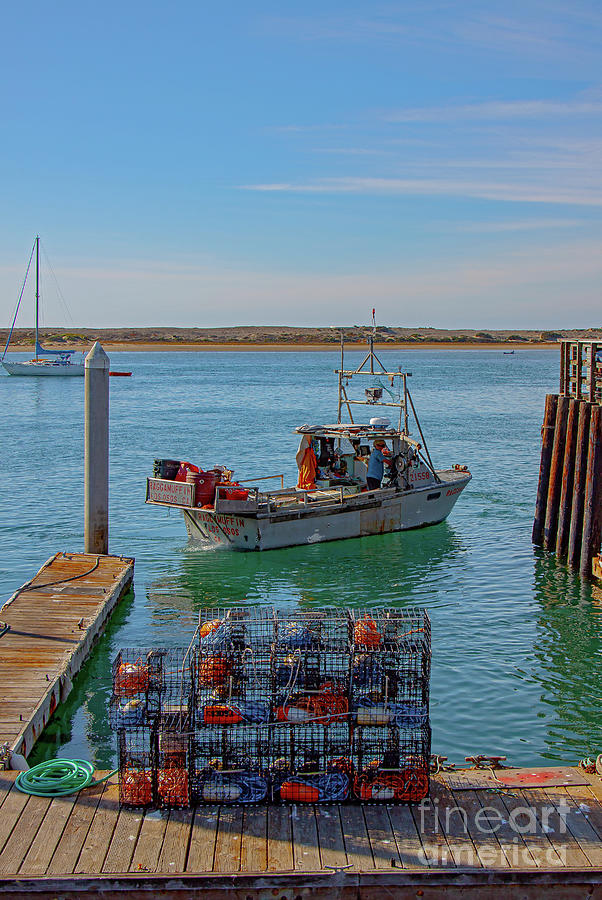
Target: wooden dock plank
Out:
[150,841]
[203,835]
[40,853]
[589,806]
[486,844]
[227,846]
[97,842]
[382,838]
[305,838]
[254,846]
[280,847]
[540,840]
[452,821]
[330,836]
[64,858]
[434,842]
[510,840]
[38,663]
[123,842]
[573,818]
[409,846]
[7,781]
[13,806]
[23,834]
[175,844]
[357,841]
[87,834]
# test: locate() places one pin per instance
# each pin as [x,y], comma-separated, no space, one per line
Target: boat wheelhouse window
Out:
[434,496]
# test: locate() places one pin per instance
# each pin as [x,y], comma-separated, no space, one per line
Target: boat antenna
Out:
[12,327]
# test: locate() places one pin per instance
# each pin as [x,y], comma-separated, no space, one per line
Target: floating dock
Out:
[481,843]
[53,621]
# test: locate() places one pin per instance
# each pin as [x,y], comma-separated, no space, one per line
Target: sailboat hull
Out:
[45,367]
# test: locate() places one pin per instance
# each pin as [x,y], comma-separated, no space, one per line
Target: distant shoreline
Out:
[136,347]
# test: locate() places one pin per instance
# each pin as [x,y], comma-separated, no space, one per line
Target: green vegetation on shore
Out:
[276,334]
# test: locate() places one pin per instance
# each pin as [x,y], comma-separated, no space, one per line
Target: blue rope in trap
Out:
[234,787]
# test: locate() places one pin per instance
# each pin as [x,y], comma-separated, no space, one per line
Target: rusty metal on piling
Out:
[576,527]
[568,471]
[547,440]
[592,506]
[551,522]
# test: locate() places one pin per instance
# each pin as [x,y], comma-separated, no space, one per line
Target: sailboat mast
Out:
[37,290]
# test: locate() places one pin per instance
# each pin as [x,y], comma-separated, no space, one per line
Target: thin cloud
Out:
[580,195]
[526,225]
[519,109]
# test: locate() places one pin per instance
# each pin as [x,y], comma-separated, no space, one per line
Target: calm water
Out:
[517,640]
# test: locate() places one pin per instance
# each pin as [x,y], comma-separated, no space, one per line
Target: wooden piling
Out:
[576,527]
[96,452]
[592,507]
[555,485]
[568,471]
[547,440]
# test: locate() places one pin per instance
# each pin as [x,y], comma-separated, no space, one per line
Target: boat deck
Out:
[477,843]
[54,619]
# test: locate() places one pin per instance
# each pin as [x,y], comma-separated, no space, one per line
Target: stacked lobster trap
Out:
[281,708]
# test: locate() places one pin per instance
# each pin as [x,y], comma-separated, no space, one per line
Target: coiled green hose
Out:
[58,777]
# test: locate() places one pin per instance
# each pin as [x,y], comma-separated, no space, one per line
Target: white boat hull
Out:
[45,368]
[380,513]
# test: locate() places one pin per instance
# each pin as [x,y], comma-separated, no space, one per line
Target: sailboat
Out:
[60,362]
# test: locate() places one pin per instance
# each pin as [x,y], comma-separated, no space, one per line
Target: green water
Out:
[517,639]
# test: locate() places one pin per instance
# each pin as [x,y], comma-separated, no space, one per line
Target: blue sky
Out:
[262,163]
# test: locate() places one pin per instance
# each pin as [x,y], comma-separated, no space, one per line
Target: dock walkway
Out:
[54,619]
[484,843]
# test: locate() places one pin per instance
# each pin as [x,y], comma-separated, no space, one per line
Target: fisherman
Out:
[376,464]
[307,464]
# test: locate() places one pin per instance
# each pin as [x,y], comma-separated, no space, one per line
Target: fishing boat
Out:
[60,362]
[338,502]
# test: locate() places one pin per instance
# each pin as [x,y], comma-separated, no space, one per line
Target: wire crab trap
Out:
[231,765]
[137,767]
[389,688]
[313,630]
[310,686]
[137,688]
[310,764]
[233,688]
[399,630]
[391,765]
[237,629]
[150,686]
[390,668]
[174,766]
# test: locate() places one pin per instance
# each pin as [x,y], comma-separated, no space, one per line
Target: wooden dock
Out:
[485,843]
[54,619]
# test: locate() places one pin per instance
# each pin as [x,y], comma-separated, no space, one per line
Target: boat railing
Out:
[223,504]
[263,478]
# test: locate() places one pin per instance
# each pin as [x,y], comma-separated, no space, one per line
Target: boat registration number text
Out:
[229,525]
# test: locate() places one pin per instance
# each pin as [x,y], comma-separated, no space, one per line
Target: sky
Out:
[196,164]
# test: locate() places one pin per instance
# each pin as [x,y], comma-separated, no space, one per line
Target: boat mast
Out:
[37,289]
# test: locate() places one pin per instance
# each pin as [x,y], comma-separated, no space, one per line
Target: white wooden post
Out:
[96,452]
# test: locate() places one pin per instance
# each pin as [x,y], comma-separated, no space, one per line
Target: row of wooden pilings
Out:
[568,511]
